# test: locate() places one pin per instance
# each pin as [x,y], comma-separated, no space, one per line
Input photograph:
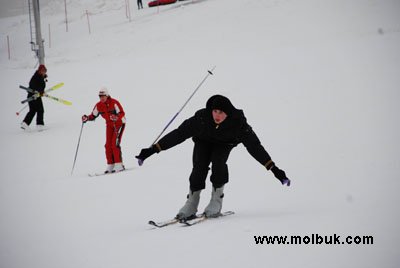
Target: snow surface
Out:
[318,81]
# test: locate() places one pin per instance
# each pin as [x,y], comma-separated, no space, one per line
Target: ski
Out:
[34,97]
[106,174]
[203,218]
[47,90]
[57,99]
[33,130]
[161,224]
[37,94]
[189,222]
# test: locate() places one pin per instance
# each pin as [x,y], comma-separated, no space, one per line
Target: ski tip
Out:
[57,86]
[211,72]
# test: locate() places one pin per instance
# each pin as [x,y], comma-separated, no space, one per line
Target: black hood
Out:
[222,103]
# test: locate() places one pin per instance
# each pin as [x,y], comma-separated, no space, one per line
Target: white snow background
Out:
[317,80]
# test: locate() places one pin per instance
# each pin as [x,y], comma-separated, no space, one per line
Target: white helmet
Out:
[103,92]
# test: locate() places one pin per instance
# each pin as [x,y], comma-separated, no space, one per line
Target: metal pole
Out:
[8,46]
[23,108]
[66,17]
[77,148]
[129,10]
[49,36]
[39,40]
[180,110]
[88,22]
[140,161]
[126,9]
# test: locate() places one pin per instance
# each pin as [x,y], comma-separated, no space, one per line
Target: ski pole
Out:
[180,110]
[23,108]
[77,148]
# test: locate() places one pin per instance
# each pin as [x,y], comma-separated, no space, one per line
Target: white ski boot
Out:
[213,209]
[118,167]
[40,127]
[25,126]
[110,168]
[189,210]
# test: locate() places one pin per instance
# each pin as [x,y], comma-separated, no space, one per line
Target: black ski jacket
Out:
[232,131]
[37,83]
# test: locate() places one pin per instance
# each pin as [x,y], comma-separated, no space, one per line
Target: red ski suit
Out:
[112,111]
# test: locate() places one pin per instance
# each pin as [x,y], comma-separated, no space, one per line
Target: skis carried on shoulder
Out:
[37,94]
[188,222]
[45,94]
[47,90]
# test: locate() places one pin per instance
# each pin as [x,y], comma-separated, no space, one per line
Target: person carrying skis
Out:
[38,84]
[111,110]
[215,130]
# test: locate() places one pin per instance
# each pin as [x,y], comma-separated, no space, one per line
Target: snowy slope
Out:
[318,81]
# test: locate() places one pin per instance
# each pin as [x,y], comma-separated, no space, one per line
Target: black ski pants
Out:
[205,153]
[35,107]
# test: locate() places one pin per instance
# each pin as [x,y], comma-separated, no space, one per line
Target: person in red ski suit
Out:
[111,110]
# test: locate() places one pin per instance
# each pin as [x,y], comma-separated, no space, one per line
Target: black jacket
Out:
[37,83]
[232,131]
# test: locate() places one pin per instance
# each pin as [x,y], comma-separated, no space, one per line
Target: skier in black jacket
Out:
[37,83]
[215,130]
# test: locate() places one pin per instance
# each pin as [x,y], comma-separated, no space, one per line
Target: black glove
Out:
[145,153]
[280,175]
